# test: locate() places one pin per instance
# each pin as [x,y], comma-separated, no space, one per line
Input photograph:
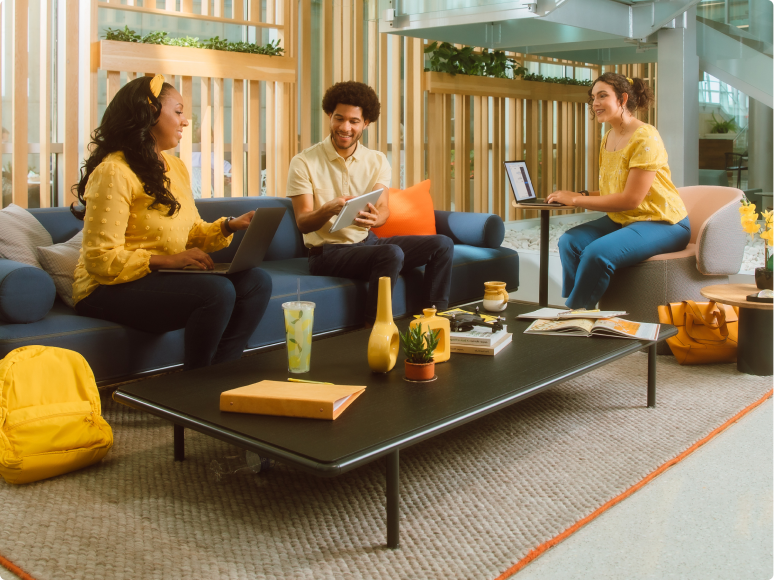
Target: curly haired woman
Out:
[645,215]
[139,217]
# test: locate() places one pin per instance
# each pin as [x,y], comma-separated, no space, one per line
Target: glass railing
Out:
[743,19]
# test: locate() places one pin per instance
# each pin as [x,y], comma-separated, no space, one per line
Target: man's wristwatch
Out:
[226,224]
[584,192]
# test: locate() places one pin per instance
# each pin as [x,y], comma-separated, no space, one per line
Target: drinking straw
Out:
[298,289]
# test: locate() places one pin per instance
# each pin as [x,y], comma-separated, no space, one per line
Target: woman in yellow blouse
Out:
[645,215]
[139,217]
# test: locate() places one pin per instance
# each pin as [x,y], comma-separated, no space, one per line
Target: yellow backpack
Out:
[50,414]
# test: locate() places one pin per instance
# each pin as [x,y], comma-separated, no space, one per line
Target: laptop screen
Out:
[521,184]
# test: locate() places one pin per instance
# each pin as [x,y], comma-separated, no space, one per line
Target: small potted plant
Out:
[763,275]
[418,347]
[722,129]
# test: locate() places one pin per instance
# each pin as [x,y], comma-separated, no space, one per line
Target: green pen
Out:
[313,382]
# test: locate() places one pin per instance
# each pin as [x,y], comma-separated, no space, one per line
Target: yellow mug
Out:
[495,296]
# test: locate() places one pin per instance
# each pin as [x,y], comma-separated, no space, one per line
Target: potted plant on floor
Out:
[418,347]
[763,275]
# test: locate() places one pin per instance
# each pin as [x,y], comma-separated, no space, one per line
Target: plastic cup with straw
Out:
[299,317]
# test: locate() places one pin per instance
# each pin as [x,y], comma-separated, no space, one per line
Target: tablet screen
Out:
[353,207]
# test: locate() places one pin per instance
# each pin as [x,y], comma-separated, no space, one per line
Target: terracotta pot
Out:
[420,372]
[763,279]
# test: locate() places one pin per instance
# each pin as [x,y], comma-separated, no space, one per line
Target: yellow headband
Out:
[631,82]
[155,86]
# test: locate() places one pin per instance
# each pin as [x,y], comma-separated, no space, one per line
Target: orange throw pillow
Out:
[411,213]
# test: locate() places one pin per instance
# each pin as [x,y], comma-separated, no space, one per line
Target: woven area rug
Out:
[474,501]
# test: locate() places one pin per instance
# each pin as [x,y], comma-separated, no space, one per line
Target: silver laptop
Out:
[521,184]
[254,246]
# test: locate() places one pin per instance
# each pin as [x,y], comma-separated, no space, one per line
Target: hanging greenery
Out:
[216,43]
[447,58]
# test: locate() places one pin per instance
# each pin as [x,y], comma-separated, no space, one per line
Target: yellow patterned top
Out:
[120,233]
[645,150]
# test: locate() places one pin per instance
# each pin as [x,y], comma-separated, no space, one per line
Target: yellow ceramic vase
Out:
[432,322]
[384,342]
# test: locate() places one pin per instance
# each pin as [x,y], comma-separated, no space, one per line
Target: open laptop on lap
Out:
[252,250]
[521,184]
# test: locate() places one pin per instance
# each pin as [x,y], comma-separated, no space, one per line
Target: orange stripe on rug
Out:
[533,554]
[14,569]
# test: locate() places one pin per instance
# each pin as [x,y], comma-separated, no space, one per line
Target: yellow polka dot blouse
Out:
[120,233]
[645,150]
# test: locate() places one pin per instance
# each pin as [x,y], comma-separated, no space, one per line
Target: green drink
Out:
[299,317]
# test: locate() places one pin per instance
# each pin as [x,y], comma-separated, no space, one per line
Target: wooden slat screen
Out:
[458,139]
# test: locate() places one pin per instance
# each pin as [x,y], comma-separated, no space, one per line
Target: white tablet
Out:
[353,207]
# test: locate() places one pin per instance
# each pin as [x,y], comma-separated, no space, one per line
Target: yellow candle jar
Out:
[432,322]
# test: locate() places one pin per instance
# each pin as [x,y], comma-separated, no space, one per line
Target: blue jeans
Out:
[376,257]
[219,313]
[592,251]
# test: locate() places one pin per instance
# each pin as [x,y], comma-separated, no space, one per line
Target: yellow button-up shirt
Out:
[321,172]
[645,150]
[120,232]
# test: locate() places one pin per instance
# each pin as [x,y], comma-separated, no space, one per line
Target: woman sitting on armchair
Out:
[645,215]
[139,216]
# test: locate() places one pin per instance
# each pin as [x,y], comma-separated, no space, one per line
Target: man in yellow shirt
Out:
[323,177]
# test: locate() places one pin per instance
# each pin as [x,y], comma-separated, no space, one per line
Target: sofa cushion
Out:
[26,293]
[340,302]
[113,351]
[20,236]
[287,242]
[484,230]
[411,213]
[60,260]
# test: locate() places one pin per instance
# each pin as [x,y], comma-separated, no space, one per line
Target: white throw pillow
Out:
[20,235]
[59,260]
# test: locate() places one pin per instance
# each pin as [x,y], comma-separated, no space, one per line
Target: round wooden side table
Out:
[754,353]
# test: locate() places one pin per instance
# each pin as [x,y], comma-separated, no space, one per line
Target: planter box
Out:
[730,136]
[114,55]
[503,88]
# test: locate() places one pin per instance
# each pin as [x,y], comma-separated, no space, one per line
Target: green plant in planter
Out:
[216,43]
[723,126]
[447,58]
[418,346]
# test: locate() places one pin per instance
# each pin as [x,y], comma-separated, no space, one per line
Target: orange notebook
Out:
[315,401]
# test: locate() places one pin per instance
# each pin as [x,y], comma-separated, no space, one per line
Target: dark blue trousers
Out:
[219,313]
[592,251]
[376,257]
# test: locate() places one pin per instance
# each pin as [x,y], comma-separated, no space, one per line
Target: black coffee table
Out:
[391,414]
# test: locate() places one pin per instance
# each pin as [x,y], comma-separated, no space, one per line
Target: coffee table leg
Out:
[652,375]
[393,500]
[179,442]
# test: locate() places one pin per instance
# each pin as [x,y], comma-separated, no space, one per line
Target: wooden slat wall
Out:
[71,158]
[2,176]
[45,104]
[348,50]
[19,108]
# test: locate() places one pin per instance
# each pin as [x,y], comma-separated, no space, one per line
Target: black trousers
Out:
[376,257]
[219,313]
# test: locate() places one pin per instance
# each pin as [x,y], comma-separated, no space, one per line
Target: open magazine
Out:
[614,327]
[564,314]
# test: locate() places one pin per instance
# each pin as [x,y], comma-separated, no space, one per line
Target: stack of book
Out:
[480,341]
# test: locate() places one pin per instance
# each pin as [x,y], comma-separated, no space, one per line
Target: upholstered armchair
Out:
[715,251]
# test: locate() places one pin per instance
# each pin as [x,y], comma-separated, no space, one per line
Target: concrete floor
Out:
[707,518]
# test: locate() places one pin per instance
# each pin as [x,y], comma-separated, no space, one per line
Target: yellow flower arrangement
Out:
[749,219]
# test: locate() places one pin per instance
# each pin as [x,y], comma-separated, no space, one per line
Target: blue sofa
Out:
[116,352]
